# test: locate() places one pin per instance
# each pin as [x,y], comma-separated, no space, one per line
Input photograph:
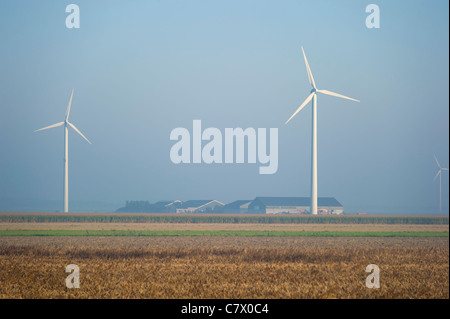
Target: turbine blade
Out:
[439,172]
[436,161]
[50,126]
[68,108]
[444,169]
[73,126]
[336,94]
[301,106]
[310,76]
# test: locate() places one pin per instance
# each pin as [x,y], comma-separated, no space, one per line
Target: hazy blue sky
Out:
[143,68]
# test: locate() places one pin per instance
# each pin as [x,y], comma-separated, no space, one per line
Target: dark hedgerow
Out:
[219,218]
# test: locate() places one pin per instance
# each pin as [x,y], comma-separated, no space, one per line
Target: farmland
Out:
[142,256]
[223,267]
[218,233]
[221,218]
[149,226]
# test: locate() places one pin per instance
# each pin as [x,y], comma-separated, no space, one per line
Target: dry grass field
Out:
[223,267]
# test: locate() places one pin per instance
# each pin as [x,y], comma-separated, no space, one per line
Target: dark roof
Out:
[195,203]
[298,201]
[166,203]
[237,203]
[162,203]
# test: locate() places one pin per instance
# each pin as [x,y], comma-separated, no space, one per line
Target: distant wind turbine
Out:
[440,181]
[66,123]
[313,97]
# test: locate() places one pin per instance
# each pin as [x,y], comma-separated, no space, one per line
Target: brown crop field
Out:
[224,256]
[223,267]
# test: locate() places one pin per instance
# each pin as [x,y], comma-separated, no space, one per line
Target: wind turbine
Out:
[313,97]
[66,123]
[440,181]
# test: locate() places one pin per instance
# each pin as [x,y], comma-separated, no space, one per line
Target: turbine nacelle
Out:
[66,122]
[439,172]
[315,90]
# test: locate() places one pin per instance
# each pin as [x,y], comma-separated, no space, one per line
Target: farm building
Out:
[294,205]
[141,206]
[166,206]
[237,207]
[200,206]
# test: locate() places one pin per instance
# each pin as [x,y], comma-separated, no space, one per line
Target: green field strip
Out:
[137,233]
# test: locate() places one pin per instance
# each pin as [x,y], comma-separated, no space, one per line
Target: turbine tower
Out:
[440,181]
[66,123]
[313,97]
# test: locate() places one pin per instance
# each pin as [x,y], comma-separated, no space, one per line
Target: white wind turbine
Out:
[66,151]
[313,97]
[440,181]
